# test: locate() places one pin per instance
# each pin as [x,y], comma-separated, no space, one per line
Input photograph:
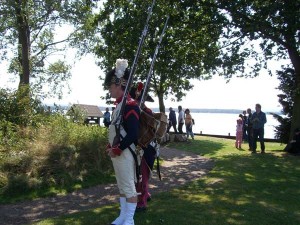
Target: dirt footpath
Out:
[178,168]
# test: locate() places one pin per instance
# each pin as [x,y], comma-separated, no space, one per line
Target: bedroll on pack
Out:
[151,127]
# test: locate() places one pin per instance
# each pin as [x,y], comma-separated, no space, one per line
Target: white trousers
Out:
[124,167]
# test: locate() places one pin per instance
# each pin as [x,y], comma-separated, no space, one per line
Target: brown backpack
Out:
[152,127]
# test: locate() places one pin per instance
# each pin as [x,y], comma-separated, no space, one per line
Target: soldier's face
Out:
[115,91]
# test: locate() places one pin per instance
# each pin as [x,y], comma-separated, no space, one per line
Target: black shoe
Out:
[262,152]
[149,199]
[253,152]
[140,209]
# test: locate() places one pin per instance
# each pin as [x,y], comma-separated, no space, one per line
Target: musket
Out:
[119,117]
[146,86]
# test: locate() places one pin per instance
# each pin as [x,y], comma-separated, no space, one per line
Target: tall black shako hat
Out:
[118,75]
[136,92]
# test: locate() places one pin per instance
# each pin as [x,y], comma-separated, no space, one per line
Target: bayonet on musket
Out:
[146,86]
[119,117]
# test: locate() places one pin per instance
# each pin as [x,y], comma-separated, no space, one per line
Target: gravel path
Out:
[179,168]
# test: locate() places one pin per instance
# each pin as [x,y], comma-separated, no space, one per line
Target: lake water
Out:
[224,123]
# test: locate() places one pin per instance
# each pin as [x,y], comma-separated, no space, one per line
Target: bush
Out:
[57,154]
[19,107]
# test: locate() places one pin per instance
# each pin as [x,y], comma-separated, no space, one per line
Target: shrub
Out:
[57,154]
[19,108]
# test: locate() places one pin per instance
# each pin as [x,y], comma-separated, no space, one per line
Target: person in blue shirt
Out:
[172,120]
[258,122]
[106,118]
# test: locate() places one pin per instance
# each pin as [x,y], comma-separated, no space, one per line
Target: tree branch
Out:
[51,44]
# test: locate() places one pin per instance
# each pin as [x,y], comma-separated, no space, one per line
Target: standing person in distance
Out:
[239,132]
[258,120]
[122,154]
[188,124]
[106,118]
[180,119]
[245,138]
[249,129]
[172,120]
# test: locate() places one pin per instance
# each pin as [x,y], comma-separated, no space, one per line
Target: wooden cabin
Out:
[91,113]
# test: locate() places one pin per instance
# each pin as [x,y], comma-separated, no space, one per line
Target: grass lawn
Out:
[242,188]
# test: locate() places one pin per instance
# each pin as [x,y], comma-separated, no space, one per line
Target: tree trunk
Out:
[161,102]
[295,58]
[24,42]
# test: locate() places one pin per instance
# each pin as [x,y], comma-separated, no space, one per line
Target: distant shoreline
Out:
[228,111]
[192,110]
[200,110]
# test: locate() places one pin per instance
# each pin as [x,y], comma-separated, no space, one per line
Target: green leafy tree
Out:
[286,99]
[275,25]
[27,30]
[189,49]
[203,38]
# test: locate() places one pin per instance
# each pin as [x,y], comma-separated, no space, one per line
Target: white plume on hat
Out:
[121,65]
